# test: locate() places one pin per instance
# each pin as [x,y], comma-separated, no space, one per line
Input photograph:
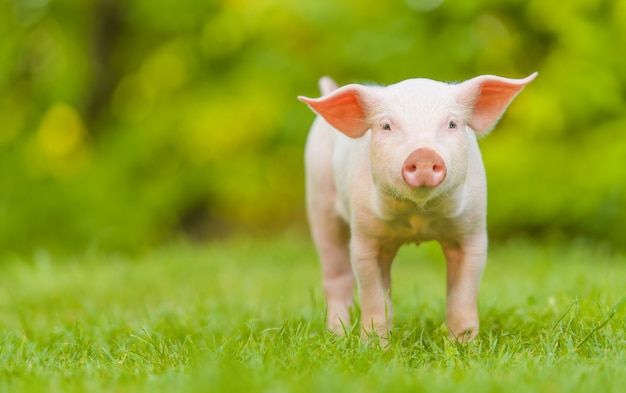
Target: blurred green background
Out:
[126,124]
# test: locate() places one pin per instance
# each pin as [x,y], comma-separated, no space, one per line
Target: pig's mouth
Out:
[424,192]
[419,195]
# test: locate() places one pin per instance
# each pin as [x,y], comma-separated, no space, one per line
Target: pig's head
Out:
[419,128]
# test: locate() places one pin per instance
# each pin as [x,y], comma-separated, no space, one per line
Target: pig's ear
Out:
[486,98]
[344,108]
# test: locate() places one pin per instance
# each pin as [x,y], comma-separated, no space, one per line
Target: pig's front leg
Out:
[465,264]
[371,261]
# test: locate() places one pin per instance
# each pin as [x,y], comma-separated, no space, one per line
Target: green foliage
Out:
[123,124]
[248,316]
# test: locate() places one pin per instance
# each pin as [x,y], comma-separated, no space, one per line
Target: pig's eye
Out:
[386,127]
[452,125]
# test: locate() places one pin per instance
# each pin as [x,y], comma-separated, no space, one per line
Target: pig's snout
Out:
[424,167]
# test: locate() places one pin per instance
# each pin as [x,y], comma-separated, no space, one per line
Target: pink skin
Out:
[386,166]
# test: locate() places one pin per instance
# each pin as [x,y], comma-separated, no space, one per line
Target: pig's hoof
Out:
[338,326]
[377,339]
[464,335]
[377,336]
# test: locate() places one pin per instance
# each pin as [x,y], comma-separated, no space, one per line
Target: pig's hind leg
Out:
[332,236]
[330,233]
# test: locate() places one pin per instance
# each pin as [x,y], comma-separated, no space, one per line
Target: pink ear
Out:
[344,109]
[487,97]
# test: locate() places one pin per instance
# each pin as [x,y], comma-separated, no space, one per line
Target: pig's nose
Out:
[424,167]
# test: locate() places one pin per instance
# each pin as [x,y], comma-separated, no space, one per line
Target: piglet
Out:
[387,166]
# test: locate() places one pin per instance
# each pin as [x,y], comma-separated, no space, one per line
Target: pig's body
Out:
[401,165]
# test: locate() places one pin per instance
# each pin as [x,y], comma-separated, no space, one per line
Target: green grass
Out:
[247,316]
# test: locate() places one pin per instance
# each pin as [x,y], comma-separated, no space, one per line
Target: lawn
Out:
[247,315]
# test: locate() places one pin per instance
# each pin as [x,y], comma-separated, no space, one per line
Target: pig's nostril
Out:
[437,168]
